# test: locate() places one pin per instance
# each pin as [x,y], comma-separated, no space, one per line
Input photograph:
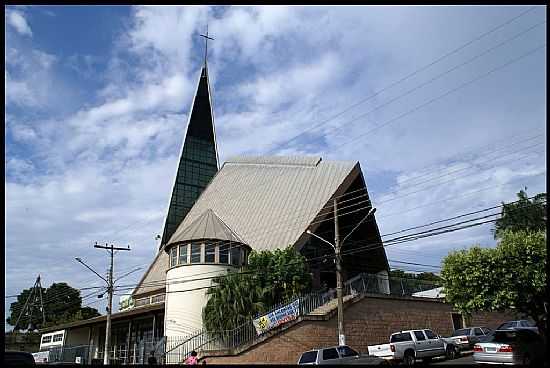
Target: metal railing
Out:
[178,348]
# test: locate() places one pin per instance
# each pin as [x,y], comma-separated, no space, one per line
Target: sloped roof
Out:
[270,201]
[206,226]
[155,276]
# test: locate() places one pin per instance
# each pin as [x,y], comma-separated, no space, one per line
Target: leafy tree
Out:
[62,304]
[524,214]
[270,277]
[510,276]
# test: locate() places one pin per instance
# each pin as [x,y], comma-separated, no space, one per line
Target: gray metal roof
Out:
[206,226]
[268,201]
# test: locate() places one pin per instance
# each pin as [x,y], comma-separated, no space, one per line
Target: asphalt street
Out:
[463,360]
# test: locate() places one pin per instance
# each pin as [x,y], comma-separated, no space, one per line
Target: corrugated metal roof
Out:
[206,226]
[270,201]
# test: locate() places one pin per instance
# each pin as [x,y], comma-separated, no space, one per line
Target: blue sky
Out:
[97,100]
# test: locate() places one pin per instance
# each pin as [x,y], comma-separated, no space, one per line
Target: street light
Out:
[337,247]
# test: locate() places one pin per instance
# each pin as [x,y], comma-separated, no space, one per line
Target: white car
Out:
[342,354]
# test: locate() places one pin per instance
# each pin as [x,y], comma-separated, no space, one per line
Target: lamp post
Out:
[337,250]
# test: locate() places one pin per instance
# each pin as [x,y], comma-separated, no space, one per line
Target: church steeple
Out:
[198,161]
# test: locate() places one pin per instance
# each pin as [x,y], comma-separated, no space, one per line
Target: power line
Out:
[388,242]
[437,60]
[465,84]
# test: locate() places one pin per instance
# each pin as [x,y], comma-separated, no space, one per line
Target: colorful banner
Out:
[277,317]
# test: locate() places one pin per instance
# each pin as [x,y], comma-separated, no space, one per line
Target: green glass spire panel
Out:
[198,162]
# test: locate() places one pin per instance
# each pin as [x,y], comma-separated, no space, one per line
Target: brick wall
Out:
[367,321]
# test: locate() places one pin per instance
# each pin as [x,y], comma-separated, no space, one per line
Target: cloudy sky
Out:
[444,107]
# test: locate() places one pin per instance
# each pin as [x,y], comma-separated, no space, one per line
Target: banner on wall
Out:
[277,317]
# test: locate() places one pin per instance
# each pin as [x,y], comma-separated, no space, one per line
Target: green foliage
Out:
[525,214]
[270,277]
[62,304]
[512,275]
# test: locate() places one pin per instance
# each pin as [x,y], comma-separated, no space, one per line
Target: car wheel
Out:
[526,360]
[451,352]
[427,360]
[409,359]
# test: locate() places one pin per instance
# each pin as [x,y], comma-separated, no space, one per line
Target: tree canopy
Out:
[524,214]
[62,304]
[270,277]
[510,276]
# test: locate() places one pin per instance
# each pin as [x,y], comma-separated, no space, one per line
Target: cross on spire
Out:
[206,38]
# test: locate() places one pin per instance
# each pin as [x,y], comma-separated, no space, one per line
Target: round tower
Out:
[204,249]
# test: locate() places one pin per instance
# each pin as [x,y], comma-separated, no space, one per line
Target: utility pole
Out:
[337,246]
[110,288]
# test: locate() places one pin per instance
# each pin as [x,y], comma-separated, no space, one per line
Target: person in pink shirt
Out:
[192,358]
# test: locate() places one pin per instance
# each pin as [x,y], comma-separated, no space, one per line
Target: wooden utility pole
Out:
[111,248]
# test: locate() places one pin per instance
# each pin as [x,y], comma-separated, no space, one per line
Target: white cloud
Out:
[17,20]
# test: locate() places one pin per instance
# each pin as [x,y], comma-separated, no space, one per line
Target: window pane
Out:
[430,334]
[419,335]
[330,354]
[346,351]
[195,253]
[183,254]
[209,253]
[236,256]
[224,253]
[478,332]
[308,357]
[173,255]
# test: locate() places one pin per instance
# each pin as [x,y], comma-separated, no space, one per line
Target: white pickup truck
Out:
[407,346]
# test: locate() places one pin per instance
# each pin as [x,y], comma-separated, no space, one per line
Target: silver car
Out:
[519,346]
[342,354]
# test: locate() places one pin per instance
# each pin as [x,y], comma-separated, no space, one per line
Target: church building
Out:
[216,216]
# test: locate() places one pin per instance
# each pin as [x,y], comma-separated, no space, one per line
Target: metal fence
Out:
[69,354]
[178,348]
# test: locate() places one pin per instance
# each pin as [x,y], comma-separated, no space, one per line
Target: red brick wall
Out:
[367,322]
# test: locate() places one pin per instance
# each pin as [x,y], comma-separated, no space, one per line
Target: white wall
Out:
[183,310]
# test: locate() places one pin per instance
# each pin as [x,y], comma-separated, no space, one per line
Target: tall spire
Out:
[198,161]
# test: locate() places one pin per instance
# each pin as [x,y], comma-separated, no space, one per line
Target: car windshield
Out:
[462,332]
[506,325]
[504,336]
[308,357]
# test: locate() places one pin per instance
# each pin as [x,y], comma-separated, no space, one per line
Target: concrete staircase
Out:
[326,308]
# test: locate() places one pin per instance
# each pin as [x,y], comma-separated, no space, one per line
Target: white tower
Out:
[205,248]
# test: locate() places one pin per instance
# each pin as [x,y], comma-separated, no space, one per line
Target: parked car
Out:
[342,354]
[466,338]
[521,346]
[407,346]
[18,359]
[522,323]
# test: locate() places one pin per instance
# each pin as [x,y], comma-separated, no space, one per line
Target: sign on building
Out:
[125,302]
[277,317]
[41,356]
